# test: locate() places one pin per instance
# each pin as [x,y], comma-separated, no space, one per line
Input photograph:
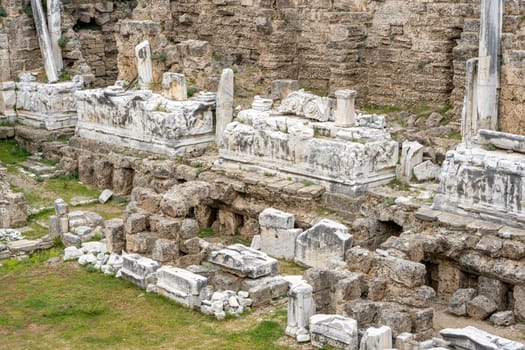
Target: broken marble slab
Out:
[472,338]
[324,242]
[334,330]
[376,338]
[275,218]
[308,105]
[181,285]
[138,270]
[243,261]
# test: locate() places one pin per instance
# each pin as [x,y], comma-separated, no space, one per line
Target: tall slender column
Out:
[44,41]
[489,62]
[224,111]
[469,116]
[54,23]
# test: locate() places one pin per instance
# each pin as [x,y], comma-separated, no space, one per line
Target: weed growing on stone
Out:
[398,185]
[191,91]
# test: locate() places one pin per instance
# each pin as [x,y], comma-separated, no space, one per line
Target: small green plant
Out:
[390,201]
[39,178]
[454,135]
[266,174]
[216,56]
[200,170]
[489,147]
[421,65]
[161,57]
[316,131]
[3,12]
[307,183]
[191,91]
[154,86]
[91,268]
[26,8]
[398,185]
[50,162]
[64,75]
[206,232]
[62,41]
[97,237]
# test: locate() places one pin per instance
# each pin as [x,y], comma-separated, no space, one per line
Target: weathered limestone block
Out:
[136,222]
[165,250]
[8,100]
[115,237]
[144,64]
[265,289]
[333,330]
[471,338]
[308,105]
[411,155]
[174,86]
[178,201]
[495,290]
[301,307]
[144,120]
[376,339]
[227,223]
[322,243]
[519,302]
[503,318]
[181,285]
[243,261]
[142,242]
[277,233]
[224,111]
[481,307]
[139,270]
[406,341]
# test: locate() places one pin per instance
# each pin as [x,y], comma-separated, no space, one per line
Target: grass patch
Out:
[68,186]
[455,135]
[489,147]
[206,232]
[382,109]
[288,267]
[12,153]
[71,308]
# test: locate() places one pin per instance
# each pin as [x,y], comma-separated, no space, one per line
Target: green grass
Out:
[206,232]
[398,185]
[68,186]
[61,305]
[11,152]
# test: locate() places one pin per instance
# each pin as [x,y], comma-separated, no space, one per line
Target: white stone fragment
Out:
[334,330]
[426,171]
[411,155]
[275,218]
[174,86]
[377,339]
[243,261]
[72,253]
[138,270]
[324,242]
[181,285]
[105,196]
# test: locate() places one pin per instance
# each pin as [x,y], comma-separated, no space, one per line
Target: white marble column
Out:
[144,64]
[469,115]
[174,86]
[44,41]
[301,307]
[54,23]
[345,112]
[489,63]
[224,111]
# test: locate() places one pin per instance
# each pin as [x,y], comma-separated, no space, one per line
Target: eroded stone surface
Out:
[243,261]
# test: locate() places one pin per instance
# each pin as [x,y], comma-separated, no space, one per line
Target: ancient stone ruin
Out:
[264,146]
